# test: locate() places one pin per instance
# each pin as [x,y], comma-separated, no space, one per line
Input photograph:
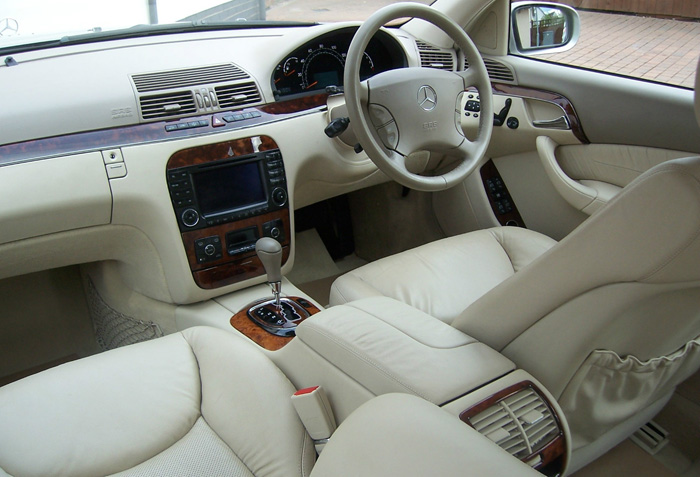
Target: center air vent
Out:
[522,423]
[167,105]
[194,91]
[189,77]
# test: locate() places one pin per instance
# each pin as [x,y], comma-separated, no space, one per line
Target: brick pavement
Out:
[650,48]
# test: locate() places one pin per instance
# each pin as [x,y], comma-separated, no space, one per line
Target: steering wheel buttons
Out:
[389,135]
[379,115]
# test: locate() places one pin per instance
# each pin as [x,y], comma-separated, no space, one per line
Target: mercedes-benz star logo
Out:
[427,98]
[8,27]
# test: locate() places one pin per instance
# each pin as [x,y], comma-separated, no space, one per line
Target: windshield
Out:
[25,22]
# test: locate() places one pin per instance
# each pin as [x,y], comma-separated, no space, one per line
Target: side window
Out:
[647,39]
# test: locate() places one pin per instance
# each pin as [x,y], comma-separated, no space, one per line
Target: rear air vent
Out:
[167,105]
[521,424]
[231,96]
[434,57]
[194,91]
[497,70]
[190,77]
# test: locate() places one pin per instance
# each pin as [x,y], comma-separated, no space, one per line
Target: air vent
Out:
[188,77]
[434,57]
[240,94]
[522,423]
[194,91]
[497,70]
[167,105]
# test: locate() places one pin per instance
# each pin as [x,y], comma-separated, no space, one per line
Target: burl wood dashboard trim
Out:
[550,97]
[229,269]
[220,150]
[152,132]
[262,338]
[552,455]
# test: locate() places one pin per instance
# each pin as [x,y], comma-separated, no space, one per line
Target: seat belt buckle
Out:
[315,412]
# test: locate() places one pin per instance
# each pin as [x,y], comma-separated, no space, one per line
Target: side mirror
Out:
[542,27]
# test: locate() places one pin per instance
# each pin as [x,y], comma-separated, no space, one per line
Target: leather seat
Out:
[199,402]
[205,402]
[443,278]
[608,319]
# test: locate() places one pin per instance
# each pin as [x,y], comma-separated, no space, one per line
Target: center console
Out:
[385,346]
[225,197]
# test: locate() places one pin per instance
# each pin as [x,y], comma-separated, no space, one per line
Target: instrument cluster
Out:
[321,62]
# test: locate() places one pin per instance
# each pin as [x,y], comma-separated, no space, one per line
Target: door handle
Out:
[562,122]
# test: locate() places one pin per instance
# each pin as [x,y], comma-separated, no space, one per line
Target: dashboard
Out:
[320,62]
[170,155]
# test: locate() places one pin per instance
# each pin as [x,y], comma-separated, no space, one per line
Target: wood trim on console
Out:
[229,269]
[262,338]
[220,150]
[151,132]
[553,454]
[550,97]
[295,105]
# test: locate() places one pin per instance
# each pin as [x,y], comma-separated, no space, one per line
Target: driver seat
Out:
[608,319]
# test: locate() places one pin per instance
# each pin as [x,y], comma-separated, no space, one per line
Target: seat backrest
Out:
[609,318]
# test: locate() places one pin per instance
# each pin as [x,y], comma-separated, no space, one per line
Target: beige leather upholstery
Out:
[608,319]
[402,435]
[204,402]
[445,277]
[179,405]
[388,346]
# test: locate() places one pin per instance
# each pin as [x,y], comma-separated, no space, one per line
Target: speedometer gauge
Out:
[319,63]
[323,67]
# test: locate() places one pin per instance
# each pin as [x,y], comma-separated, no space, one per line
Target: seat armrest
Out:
[388,346]
[399,434]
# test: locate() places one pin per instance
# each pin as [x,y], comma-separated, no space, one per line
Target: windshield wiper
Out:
[148,30]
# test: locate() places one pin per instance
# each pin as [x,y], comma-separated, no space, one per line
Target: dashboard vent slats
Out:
[188,77]
[239,94]
[497,70]
[522,423]
[167,105]
[434,57]
[194,91]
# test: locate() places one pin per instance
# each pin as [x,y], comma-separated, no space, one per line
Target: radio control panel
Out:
[224,191]
[225,197]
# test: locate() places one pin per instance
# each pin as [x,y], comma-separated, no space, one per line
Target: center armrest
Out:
[388,346]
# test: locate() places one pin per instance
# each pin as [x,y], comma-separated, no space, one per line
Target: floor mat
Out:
[627,459]
[319,290]
[36,369]
[314,270]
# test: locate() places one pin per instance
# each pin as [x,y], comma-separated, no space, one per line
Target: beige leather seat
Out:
[608,319]
[206,402]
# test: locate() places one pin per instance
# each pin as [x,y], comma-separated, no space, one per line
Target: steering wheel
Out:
[402,111]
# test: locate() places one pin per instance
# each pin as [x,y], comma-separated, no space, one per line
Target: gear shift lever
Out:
[269,252]
[276,315]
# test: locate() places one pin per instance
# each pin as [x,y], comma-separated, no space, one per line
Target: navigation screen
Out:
[230,187]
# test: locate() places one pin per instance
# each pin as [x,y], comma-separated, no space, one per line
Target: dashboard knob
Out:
[190,217]
[209,250]
[279,196]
